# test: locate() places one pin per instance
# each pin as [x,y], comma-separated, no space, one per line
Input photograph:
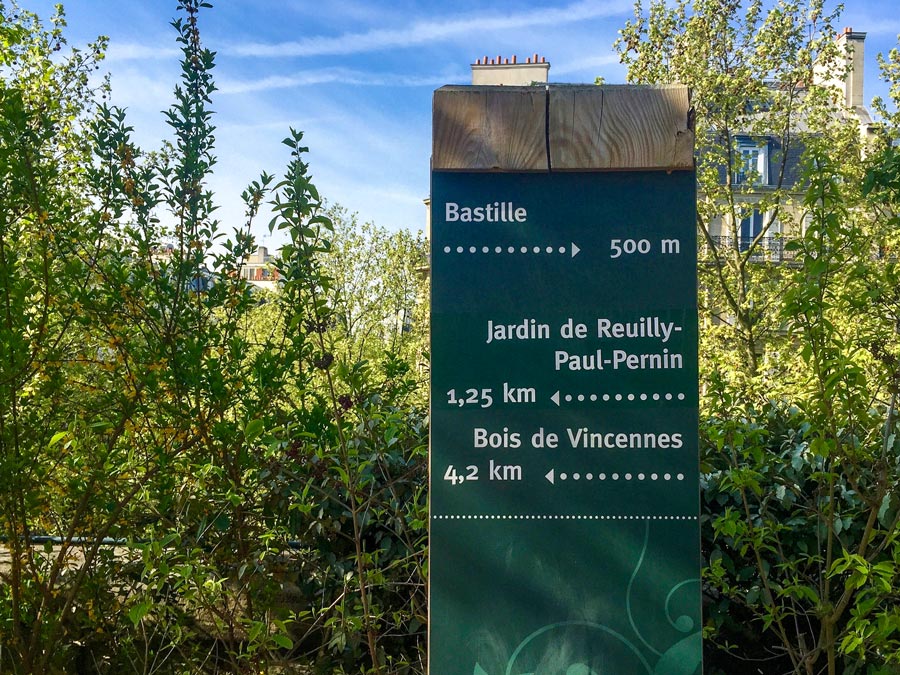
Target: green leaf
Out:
[253,429]
[283,641]
[139,611]
[883,510]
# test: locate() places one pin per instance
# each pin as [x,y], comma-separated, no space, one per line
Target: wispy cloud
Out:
[889,28]
[337,76]
[348,10]
[416,33]
[422,32]
[580,65]
[130,51]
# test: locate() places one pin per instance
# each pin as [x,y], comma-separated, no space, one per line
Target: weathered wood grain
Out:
[490,128]
[620,127]
[589,128]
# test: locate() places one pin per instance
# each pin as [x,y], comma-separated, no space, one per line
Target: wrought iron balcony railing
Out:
[767,249]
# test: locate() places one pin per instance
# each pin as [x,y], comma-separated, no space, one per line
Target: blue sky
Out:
[357,77]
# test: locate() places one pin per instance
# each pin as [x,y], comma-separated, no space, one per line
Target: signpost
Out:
[564,478]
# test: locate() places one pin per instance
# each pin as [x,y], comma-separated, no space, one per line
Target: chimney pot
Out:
[514,59]
[535,57]
[543,59]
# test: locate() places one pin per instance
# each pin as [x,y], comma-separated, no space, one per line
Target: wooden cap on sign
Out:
[562,128]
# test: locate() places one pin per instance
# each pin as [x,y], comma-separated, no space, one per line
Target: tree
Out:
[188,453]
[798,457]
[754,80]
[799,492]
[46,238]
[378,289]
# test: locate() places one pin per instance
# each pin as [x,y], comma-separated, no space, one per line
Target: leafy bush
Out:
[220,486]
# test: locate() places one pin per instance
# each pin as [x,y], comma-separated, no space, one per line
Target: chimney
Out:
[853,45]
[510,71]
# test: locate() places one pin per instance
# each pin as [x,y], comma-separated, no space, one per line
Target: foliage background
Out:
[196,477]
[799,379]
[200,478]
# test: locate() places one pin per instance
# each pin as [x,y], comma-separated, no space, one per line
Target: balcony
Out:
[767,249]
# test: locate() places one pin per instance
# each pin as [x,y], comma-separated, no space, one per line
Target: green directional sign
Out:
[564,470]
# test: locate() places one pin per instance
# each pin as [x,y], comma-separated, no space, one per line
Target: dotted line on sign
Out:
[569,398]
[552,517]
[622,476]
[506,249]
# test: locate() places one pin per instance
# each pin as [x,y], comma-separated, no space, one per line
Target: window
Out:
[751,226]
[751,163]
